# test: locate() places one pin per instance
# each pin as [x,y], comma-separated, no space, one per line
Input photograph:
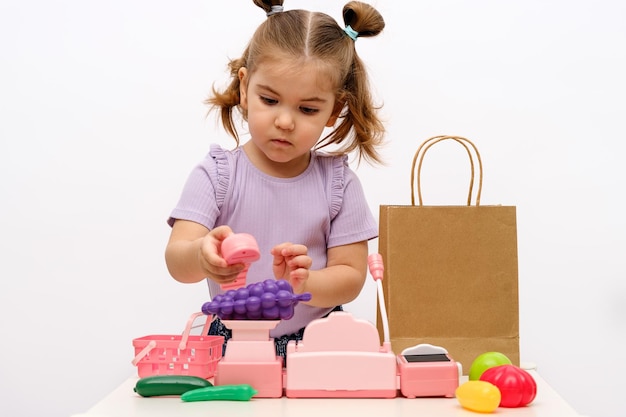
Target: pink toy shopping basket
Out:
[184,354]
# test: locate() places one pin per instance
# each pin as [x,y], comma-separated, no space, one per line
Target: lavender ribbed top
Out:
[323,207]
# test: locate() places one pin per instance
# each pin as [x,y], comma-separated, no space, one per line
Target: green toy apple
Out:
[485,361]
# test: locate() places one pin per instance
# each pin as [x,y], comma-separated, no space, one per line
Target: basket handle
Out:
[187,331]
[183,341]
[421,152]
[151,345]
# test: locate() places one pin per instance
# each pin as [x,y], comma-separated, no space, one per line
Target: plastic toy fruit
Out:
[480,396]
[485,361]
[267,300]
[517,387]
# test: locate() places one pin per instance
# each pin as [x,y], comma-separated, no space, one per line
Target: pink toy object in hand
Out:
[240,248]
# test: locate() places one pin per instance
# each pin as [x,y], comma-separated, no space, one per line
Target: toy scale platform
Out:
[250,358]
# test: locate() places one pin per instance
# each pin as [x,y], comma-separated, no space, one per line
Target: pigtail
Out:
[228,100]
[270,6]
[358,119]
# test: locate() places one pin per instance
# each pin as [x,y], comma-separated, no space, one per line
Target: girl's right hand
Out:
[211,260]
[193,254]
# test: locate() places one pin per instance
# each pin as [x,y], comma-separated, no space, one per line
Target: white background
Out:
[101,119]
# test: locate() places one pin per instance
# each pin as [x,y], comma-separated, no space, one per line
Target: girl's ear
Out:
[243,87]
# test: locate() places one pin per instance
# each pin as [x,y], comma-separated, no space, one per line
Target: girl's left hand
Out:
[292,263]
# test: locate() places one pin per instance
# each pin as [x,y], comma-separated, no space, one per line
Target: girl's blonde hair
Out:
[301,33]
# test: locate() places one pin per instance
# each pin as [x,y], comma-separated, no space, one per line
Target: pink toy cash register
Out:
[340,356]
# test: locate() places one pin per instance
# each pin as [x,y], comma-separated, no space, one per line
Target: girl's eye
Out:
[268,100]
[271,102]
[308,110]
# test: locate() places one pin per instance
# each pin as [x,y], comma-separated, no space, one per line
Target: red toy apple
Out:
[517,387]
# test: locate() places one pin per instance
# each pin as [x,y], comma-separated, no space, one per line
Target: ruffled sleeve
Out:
[337,184]
[205,191]
[352,221]
[219,173]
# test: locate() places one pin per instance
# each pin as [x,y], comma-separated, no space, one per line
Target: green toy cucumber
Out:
[236,392]
[159,385]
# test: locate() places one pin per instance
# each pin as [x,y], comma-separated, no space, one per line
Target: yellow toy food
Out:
[480,396]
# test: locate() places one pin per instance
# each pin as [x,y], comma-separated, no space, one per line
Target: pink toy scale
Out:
[250,358]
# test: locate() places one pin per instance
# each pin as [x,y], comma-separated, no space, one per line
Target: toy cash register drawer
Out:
[428,371]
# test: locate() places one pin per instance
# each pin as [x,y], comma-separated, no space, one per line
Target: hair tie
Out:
[353,34]
[275,9]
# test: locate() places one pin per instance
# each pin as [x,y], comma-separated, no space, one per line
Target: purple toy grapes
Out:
[267,300]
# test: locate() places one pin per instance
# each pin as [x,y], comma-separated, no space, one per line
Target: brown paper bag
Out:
[451,272]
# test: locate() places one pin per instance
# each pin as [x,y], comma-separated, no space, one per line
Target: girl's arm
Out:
[193,253]
[339,283]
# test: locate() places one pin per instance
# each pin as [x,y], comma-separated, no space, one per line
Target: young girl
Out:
[299,74]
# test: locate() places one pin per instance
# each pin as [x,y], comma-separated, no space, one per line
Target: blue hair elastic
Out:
[351,32]
[275,9]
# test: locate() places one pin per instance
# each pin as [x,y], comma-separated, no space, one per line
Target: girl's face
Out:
[288,106]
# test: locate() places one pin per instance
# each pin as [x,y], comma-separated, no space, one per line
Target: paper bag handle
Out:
[419,155]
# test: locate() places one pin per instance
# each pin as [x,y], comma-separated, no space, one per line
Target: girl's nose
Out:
[284,121]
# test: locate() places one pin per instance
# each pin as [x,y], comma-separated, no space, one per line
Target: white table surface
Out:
[123,401]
